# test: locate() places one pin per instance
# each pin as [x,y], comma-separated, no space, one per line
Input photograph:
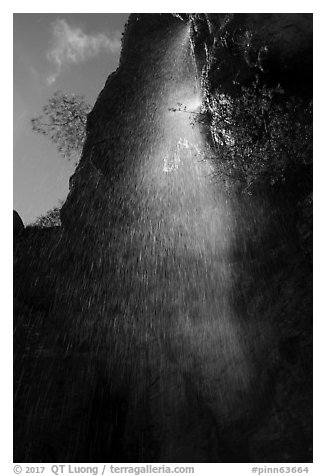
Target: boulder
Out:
[18,225]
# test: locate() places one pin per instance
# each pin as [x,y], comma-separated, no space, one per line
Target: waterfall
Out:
[160,366]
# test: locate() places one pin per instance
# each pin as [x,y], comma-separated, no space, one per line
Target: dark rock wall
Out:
[240,46]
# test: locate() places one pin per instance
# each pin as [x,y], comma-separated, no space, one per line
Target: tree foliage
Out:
[50,219]
[262,142]
[64,122]
[258,139]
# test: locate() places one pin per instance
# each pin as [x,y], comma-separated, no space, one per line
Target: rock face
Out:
[167,348]
[276,47]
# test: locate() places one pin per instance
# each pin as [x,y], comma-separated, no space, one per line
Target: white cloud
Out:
[72,45]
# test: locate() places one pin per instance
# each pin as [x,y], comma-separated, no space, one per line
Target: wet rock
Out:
[275,46]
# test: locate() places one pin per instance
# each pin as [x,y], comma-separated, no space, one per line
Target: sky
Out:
[72,53]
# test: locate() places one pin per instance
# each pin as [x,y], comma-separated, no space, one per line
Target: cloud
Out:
[71,45]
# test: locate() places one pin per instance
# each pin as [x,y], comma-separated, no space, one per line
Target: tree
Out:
[64,122]
[50,219]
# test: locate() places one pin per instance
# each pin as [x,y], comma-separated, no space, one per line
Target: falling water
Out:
[145,305]
[179,283]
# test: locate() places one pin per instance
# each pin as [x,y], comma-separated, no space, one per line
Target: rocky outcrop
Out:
[235,48]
